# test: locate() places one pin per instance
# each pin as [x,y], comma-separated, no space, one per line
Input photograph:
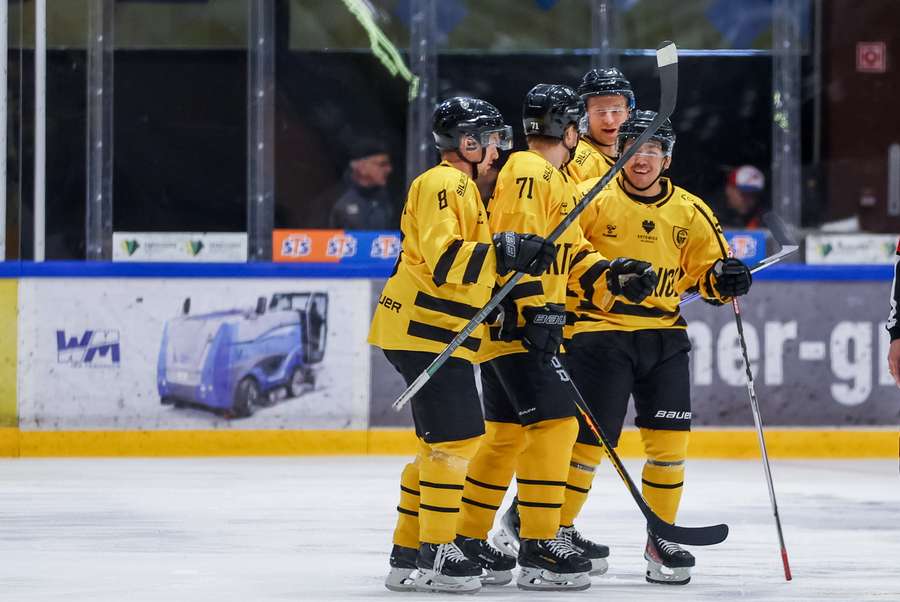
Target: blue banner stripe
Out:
[106,269]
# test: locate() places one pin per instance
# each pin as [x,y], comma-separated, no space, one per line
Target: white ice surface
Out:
[249,529]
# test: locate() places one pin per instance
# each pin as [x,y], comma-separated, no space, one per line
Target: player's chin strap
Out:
[593,141]
[571,150]
[473,164]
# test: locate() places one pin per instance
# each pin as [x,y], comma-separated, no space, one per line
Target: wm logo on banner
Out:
[94,348]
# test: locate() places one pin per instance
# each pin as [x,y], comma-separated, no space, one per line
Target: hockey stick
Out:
[667,63]
[781,236]
[692,536]
[779,232]
[757,419]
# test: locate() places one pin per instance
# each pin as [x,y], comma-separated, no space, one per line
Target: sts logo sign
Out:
[95,348]
[341,245]
[385,246]
[296,245]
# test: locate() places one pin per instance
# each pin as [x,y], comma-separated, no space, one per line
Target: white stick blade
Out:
[666,55]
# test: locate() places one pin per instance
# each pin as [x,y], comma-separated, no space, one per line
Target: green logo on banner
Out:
[195,246]
[130,246]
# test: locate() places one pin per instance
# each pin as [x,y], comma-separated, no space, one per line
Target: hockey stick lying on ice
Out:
[692,536]
[780,234]
[667,62]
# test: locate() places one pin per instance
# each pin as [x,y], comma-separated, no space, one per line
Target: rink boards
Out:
[94,359]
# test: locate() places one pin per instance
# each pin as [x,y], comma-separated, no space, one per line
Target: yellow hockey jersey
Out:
[677,233]
[532,196]
[446,270]
[589,162]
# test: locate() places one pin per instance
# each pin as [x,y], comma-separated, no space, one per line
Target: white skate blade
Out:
[506,542]
[401,580]
[599,566]
[658,573]
[430,581]
[541,580]
[495,578]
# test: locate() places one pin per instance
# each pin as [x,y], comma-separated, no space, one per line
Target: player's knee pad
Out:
[665,446]
[587,455]
[454,454]
[505,438]
[554,435]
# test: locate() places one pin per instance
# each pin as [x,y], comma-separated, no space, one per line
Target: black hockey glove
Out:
[732,277]
[632,278]
[527,253]
[543,332]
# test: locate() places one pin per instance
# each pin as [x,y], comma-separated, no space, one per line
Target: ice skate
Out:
[444,568]
[667,562]
[552,565]
[507,536]
[496,566]
[595,552]
[403,565]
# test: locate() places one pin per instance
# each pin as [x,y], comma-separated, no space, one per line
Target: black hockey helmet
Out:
[550,108]
[639,121]
[464,116]
[606,81]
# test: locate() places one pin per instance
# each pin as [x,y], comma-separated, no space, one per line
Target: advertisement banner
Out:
[143,354]
[747,245]
[818,351]
[362,248]
[851,248]
[180,246]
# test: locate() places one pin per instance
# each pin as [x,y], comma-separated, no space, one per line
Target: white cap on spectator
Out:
[747,178]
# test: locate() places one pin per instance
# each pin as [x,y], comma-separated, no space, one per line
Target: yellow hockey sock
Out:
[541,475]
[442,474]
[490,472]
[406,533]
[582,468]
[663,475]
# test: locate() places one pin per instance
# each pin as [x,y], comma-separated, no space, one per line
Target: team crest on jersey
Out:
[611,231]
[296,245]
[548,172]
[649,226]
[341,245]
[679,236]
[385,246]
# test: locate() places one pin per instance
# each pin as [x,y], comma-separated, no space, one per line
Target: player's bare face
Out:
[645,166]
[605,115]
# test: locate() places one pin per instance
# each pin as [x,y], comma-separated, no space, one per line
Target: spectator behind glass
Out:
[744,203]
[361,200]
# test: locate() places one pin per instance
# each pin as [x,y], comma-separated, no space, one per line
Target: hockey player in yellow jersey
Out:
[608,99]
[530,424]
[448,265]
[641,349]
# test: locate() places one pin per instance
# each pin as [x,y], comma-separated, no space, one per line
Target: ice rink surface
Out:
[252,529]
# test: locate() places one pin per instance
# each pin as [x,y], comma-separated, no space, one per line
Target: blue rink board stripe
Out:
[106,269]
